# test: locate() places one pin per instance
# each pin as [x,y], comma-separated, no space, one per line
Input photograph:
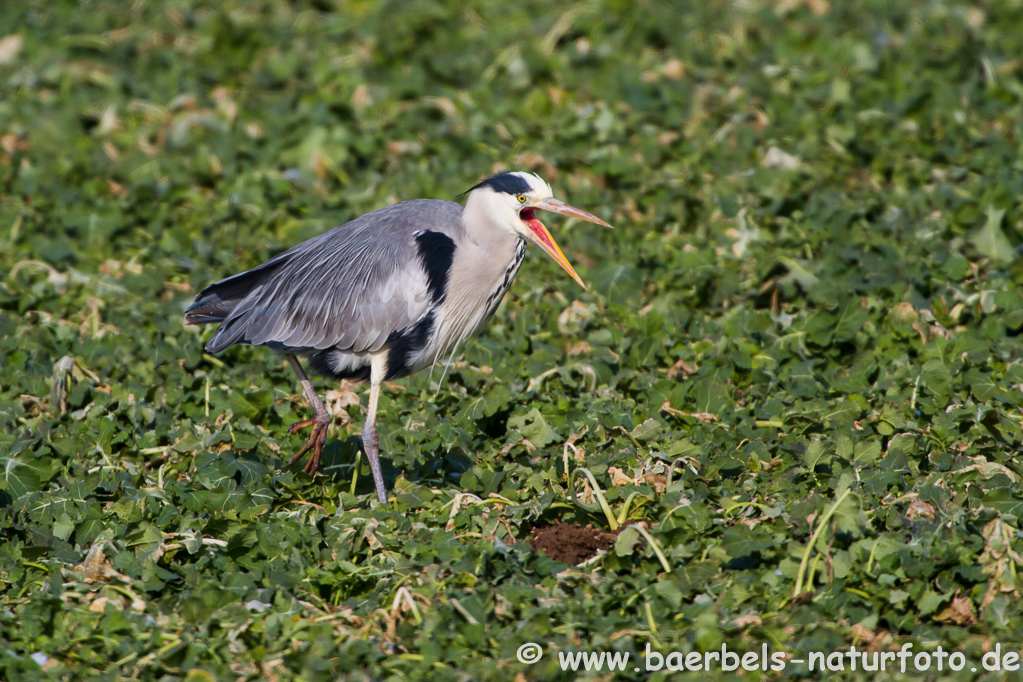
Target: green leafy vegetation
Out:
[798,365]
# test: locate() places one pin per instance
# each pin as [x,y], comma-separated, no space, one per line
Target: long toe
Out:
[298,455]
[314,462]
[298,426]
[314,459]
[316,440]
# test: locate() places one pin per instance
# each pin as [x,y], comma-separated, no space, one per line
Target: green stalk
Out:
[655,546]
[813,540]
[355,470]
[651,623]
[604,506]
[624,513]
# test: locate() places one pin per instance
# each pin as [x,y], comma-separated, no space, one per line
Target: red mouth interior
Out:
[528,216]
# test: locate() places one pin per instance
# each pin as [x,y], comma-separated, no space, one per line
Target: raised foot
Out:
[317,439]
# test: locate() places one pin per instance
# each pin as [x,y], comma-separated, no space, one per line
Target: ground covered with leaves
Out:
[786,413]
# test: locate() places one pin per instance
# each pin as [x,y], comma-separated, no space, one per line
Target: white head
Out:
[509,201]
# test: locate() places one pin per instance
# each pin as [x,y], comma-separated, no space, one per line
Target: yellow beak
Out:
[539,235]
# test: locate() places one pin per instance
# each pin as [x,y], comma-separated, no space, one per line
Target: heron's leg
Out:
[318,438]
[370,442]
[378,370]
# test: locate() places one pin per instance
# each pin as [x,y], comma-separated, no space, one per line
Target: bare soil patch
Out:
[569,542]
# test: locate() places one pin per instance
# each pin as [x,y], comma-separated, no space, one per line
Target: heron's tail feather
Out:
[218,301]
[209,315]
[228,334]
[215,302]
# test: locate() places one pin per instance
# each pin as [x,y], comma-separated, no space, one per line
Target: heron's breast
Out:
[477,285]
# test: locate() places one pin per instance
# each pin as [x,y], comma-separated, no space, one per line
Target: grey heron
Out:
[387,294]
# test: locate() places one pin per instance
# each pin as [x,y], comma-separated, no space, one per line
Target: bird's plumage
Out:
[349,287]
[376,282]
[387,294]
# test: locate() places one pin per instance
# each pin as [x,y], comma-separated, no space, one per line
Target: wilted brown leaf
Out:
[96,568]
[619,477]
[681,368]
[9,48]
[748,619]
[818,7]
[705,417]
[674,69]
[361,98]
[579,348]
[862,634]
[960,612]
[920,509]
[999,560]
[535,162]
[658,481]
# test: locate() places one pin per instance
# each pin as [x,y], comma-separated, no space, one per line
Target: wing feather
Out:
[349,288]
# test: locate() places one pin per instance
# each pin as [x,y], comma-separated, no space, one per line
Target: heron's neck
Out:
[483,227]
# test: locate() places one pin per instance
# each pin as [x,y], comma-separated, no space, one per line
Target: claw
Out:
[317,439]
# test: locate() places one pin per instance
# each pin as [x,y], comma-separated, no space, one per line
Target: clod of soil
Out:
[568,542]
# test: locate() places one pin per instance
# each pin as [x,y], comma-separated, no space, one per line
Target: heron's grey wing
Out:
[215,302]
[349,288]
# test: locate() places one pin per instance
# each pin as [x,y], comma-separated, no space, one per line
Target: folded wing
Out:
[349,288]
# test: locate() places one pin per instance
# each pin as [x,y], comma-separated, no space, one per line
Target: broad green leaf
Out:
[19,475]
[647,430]
[534,428]
[990,241]
[813,453]
[627,541]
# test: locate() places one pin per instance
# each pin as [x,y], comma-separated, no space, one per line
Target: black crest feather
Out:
[507,183]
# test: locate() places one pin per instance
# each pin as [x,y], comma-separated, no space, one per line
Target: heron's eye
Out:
[522,198]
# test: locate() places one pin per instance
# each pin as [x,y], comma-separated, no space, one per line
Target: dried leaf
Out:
[960,612]
[619,477]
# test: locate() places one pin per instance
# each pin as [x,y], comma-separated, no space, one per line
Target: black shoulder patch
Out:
[436,252]
[508,183]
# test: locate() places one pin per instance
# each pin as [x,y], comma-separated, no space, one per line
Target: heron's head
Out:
[511,200]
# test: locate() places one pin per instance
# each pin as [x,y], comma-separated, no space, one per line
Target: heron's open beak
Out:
[542,238]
